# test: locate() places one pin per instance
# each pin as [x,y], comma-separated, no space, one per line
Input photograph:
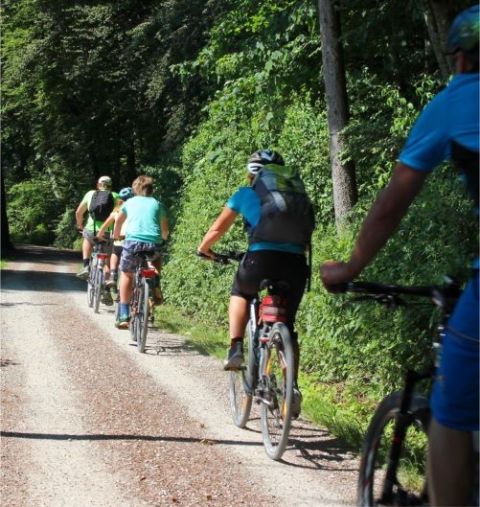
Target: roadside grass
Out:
[323,404]
[3,263]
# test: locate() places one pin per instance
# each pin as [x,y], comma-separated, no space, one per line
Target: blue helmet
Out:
[263,157]
[125,193]
[464,32]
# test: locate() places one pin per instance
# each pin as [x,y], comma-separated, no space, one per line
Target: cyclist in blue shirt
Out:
[448,128]
[274,260]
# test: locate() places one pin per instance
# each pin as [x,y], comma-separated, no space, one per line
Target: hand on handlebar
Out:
[335,275]
[206,254]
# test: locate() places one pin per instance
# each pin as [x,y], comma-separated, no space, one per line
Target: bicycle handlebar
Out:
[222,258]
[441,295]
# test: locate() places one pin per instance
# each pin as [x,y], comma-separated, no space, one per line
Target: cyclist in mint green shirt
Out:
[146,230]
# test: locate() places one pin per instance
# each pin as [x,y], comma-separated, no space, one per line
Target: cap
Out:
[104,181]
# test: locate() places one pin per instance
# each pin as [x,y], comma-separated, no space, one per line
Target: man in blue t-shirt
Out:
[448,128]
[265,259]
[146,229]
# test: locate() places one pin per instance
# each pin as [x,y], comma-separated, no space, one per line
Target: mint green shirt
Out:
[144,219]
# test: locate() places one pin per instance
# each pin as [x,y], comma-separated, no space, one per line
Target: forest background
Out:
[185,90]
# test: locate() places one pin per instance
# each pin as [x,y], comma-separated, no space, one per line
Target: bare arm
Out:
[80,211]
[217,230]
[118,225]
[108,222]
[382,220]
[164,226]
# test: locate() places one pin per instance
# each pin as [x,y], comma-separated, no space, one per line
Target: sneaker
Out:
[110,284]
[234,357]
[107,298]
[296,403]
[84,273]
[123,322]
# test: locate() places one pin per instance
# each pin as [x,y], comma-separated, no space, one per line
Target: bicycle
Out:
[96,277]
[142,305]
[268,376]
[401,419]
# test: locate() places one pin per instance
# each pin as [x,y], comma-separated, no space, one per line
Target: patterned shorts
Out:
[128,261]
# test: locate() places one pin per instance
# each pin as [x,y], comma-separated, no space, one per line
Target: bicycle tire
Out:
[91,286]
[276,400]
[142,316]
[241,383]
[373,486]
[97,291]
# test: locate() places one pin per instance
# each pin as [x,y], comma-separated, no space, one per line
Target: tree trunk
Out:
[437,18]
[6,244]
[343,174]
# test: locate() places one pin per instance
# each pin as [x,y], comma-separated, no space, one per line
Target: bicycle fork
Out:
[402,423]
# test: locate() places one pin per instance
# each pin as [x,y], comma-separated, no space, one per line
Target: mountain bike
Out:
[392,468]
[96,277]
[141,305]
[268,375]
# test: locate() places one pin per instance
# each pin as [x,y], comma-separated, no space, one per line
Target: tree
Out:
[343,173]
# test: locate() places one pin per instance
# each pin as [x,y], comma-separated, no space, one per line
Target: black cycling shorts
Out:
[288,267]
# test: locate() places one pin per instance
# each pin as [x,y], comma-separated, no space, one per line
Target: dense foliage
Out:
[185,90]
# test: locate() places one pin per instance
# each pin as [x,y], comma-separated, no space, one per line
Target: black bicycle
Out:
[141,305]
[268,375]
[392,468]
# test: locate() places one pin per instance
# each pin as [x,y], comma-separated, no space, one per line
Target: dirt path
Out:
[86,420]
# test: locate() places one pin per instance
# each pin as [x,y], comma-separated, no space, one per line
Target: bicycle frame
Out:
[442,297]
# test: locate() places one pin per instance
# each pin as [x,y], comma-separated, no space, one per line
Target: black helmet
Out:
[263,157]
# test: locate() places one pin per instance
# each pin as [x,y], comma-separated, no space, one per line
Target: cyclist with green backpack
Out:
[279,222]
[99,203]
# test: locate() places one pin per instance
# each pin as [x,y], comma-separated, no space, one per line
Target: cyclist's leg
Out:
[127,268]
[87,247]
[245,286]
[114,263]
[455,405]
[450,465]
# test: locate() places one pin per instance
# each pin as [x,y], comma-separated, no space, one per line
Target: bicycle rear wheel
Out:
[408,483]
[97,291]
[277,391]
[142,315]
[241,383]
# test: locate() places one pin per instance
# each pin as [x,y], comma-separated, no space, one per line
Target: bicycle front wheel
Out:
[405,482]
[241,383]
[91,286]
[276,391]
[142,315]
[97,291]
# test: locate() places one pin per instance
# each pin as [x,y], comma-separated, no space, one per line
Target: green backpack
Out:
[286,212]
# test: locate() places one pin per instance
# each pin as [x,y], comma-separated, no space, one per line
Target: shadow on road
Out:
[151,438]
[44,281]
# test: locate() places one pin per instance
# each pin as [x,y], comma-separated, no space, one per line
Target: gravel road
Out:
[88,421]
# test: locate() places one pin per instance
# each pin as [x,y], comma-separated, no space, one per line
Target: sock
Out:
[113,275]
[233,341]
[124,310]
[86,262]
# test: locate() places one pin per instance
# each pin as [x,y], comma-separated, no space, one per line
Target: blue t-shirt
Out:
[144,216]
[246,202]
[453,115]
